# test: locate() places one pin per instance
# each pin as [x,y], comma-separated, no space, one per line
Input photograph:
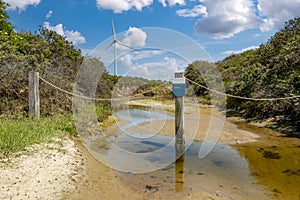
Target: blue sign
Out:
[178,87]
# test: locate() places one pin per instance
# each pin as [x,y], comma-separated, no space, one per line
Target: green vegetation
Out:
[17,134]
[55,58]
[272,70]
[133,86]
[58,61]
[47,52]
[102,111]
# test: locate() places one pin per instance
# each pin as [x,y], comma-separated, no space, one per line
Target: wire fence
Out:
[240,97]
[141,94]
[97,99]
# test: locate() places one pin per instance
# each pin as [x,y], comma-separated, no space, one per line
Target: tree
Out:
[5,27]
[272,70]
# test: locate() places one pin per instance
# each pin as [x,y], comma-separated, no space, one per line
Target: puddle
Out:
[274,160]
[223,171]
[137,117]
[147,161]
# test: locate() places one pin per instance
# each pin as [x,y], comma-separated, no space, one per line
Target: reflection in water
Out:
[148,162]
[138,117]
[179,173]
[179,143]
[222,170]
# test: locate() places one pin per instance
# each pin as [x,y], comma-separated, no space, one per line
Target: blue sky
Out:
[222,27]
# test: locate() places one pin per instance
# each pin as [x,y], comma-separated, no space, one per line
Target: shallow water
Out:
[147,161]
[137,117]
[274,160]
[223,170]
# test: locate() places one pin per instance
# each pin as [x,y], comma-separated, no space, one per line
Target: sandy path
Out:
[99,182]
[65,170]
[44,171]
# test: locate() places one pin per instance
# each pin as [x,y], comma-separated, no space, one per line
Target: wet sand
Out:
[69,171]
[201,123]
[102,182]
[274,160]
[148,186]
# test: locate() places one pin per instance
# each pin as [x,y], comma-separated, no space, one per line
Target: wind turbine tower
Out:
[114,44]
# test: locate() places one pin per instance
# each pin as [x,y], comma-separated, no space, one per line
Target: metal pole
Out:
[34,97]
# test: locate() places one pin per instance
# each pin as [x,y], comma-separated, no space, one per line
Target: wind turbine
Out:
[114,44]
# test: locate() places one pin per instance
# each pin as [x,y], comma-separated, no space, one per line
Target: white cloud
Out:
[224,19]
[135,37]
[129,59]
[276,12]
[194,12]
[72,36]
[118,6]
[58,28]
[152,64]
[231,52]
[172,2]
[162,70]
[49,14]
[75,37]
[21,4]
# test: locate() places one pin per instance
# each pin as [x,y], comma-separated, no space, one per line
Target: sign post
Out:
[178,90]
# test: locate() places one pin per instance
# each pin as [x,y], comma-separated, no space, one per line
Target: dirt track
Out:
[68,171]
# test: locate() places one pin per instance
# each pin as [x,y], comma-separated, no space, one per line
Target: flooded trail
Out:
[223,172]
[274,160]
[247,162]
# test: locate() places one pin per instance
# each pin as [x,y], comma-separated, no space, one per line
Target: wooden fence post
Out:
[34,96]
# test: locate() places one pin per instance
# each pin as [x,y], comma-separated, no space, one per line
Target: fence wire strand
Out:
[240,97]
[202,86]
[95,99]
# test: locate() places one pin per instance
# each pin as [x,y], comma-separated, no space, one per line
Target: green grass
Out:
[17,134]
[102,111]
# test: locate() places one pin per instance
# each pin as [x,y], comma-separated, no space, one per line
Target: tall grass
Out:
[102,111]
[16,134]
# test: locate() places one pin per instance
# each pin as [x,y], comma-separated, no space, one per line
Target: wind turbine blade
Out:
[113,28]
[106,48]
[125,45]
